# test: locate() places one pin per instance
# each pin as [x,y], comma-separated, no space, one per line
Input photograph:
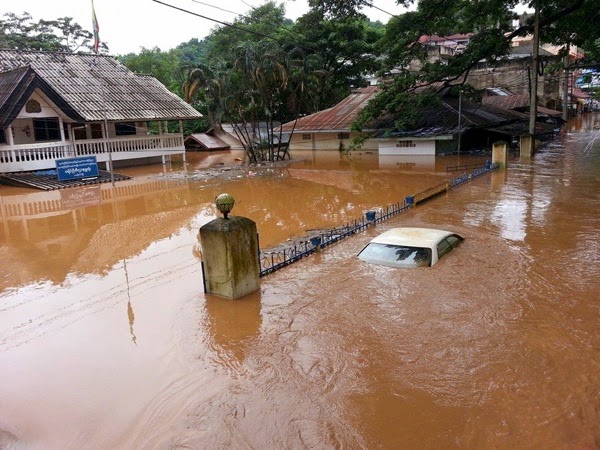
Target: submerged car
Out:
[410,247]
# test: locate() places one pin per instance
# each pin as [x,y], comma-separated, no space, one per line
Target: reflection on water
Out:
[48,235]
[107,340]
[233,325]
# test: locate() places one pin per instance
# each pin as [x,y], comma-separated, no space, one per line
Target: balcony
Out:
[42,156]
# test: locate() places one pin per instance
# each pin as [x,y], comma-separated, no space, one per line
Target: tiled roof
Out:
[93,84]
[337,118]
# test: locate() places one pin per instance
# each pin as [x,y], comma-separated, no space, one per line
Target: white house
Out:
[62,105]
[330,129]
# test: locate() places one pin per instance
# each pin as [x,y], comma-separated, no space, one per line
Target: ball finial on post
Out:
[224,203]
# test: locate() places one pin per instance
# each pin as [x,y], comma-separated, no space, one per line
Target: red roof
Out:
[455,38]
[337,118]
[580,94]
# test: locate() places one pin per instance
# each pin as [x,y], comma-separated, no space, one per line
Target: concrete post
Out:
[230,254]
[499,154]
[527,145]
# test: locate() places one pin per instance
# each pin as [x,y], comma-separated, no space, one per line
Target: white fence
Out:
[23,158]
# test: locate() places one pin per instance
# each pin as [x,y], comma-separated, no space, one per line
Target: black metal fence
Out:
[272,260]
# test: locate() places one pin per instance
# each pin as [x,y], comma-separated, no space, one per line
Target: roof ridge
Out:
[47,52]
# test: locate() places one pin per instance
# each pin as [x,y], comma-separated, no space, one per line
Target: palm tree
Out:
[261,75]
[204,84]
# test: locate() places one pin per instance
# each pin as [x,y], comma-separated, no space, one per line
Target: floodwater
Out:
[107,340]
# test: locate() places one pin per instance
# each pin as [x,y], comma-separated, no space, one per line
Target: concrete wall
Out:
[406,147]
[513,75]
[326,141]
[230,256]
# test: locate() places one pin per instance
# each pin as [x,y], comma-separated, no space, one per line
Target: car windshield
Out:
[395,255]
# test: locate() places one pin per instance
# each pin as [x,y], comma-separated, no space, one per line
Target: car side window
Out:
[443,247]
[454,240]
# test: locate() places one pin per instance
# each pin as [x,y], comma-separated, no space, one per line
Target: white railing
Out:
[45,204]
[43,156]
[130,144]
[36,152]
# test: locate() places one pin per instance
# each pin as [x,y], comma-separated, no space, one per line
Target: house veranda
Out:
[61,105]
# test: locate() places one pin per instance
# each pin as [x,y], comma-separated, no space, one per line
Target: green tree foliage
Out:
[21,32]
[164,66]
[193,53]
[340,52]
[206,89]
[264,69]
[561,22]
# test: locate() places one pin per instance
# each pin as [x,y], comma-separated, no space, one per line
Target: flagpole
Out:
[105,142]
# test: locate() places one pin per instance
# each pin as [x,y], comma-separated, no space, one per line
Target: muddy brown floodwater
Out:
[107,340]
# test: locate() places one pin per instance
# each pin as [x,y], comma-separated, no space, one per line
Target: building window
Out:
[125,128]
[343,135]
[405,144]
[96,130]
[46,129]
[66,131]
[2,137]
[306,136]
[33,106]
[79,132]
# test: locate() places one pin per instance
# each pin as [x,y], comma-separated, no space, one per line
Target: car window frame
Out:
[427,262]
[451,245]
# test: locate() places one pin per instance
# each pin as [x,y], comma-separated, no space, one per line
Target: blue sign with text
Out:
[77,168]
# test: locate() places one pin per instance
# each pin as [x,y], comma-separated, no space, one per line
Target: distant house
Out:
[60,105]
[438,126]
[330,129]
[435,131]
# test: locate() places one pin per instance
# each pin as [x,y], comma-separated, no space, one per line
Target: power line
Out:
[371,5]
[256,33]
[216,7]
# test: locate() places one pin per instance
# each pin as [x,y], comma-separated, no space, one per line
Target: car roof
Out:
[412,237]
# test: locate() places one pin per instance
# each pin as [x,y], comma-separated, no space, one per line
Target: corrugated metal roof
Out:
[443,119]
[516,102]
[337,118]
[548,112]
[507,101]
[92,84]
[10,82]
[16,87]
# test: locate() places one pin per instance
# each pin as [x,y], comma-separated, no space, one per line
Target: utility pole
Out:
[534,72]
[565,99]
[459,118]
